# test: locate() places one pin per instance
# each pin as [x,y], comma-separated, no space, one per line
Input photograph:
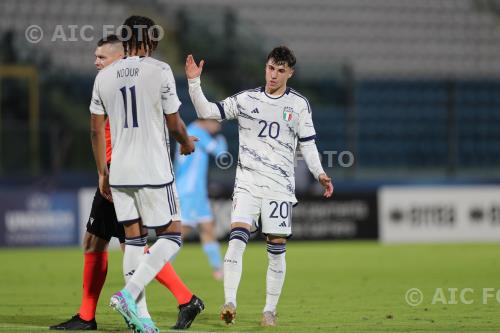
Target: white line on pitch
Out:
[16,327]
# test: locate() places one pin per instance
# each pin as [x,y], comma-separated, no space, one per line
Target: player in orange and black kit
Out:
[102,225]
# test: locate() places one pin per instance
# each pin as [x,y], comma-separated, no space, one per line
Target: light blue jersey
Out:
[191,172]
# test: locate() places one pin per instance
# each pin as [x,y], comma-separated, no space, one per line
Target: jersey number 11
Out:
[134,105]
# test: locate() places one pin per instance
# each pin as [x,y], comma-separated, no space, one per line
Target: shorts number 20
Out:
[284,209]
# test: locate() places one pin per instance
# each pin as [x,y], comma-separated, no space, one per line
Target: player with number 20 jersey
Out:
[272,122]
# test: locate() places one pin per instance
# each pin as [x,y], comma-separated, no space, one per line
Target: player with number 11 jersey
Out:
[141,156]
[138,95]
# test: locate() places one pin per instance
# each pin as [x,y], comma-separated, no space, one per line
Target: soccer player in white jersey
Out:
[272,121]
[102,225]
[138,96]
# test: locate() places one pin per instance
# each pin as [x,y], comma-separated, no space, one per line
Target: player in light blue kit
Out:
[191,176]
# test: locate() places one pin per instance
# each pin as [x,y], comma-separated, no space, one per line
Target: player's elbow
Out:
[201,114]
[94,134]
[310,144]
[174,123]
[205,112]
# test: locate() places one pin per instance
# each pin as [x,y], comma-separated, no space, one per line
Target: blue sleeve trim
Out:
[221,110]
[309,138]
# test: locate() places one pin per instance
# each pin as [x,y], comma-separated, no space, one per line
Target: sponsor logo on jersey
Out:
[283,224]
[255,110]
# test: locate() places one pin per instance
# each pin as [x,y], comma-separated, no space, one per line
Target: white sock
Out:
[233,263]
[276,272]
[142,307]
[159,254]
[133,256]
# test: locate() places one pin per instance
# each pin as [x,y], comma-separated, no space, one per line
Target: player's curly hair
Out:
[137,32]
[282,55]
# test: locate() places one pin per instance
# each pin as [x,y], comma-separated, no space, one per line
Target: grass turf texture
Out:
[330,287]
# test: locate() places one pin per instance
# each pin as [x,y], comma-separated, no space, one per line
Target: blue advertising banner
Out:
[38,218]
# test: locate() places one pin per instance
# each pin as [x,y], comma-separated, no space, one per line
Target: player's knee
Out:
[280,239]
[207,232]
[92,243]
[133,229]
[207,227]
[172,227]
[173,237]
[243,225]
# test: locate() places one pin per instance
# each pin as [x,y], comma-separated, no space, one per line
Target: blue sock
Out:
[212,251]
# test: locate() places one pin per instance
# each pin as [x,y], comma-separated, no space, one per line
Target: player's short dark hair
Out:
[139,31]
[282,55]
[110,39]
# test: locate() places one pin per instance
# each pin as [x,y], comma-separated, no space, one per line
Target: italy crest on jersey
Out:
[287,113]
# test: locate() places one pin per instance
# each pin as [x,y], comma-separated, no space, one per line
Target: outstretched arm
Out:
[204,108]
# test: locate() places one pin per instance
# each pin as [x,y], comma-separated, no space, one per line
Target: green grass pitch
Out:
[330,287]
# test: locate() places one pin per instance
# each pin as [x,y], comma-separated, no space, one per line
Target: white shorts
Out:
[275,215]
[155,206]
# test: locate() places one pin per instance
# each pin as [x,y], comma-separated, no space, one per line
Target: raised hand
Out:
[192,69]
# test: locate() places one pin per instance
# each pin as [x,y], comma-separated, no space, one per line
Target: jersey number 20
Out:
[273,129]
[134,105]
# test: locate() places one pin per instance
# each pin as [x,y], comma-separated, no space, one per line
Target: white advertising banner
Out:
[439,214]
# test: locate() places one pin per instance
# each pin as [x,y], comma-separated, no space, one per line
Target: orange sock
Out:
[169,278]
[95,268]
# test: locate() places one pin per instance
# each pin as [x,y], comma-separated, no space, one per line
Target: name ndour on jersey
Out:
[287,113]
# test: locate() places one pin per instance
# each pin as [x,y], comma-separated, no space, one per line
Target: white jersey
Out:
[269,129]
[135,93]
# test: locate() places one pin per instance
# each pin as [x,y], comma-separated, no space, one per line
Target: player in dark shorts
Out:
[102,225]
[102,221]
